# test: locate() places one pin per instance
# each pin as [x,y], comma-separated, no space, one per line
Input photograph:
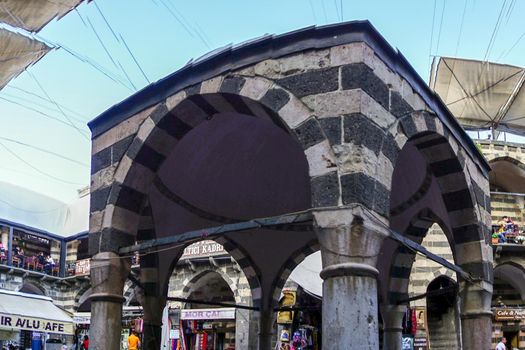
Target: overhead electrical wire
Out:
[324,11]
[440,26]
[56,104]
[44,151]
[461,28]
[84,118]
[432,34]
[35,110]
[14,154]
[134,59]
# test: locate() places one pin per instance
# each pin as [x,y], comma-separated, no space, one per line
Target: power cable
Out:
[461,28]
[44,151]
[313,11]
[56,104]
[101,42]
[105,20]
[337,10]
[35,110]
[432,34]
[38,170]
[84,118]
[134,59]
[324,11]
[440,26]
[41,105]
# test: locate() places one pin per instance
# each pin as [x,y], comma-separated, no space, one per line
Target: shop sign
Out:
[420,344]
[509,314]
[35,324]
[174,334]
[84,318]
[407,342]
[202,249]
[208,314]
[82,267]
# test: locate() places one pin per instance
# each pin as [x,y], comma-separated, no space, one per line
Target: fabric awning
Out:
[480,94]
[306,274]
[17,52]
[33,15]
[22,311]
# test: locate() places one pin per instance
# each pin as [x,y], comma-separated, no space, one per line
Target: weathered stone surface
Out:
[126,197]
[409,128]
[398,106]
[294,113]
[360,76]
[312,82]
[145,155]
[175,99]
[255,88]
[309,133]
[275,99]
[192,90]
[334,103]
[212,85]
[325,190]
[346,54]
[103,178]
[232,84]
[390,148]
[359,130]
[357,188]
[101,160]
[320,159]
[99,198]
[332,129]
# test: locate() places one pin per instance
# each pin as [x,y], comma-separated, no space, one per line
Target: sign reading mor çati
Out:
[208,314]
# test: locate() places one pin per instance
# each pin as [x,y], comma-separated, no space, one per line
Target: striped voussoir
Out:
[190,286]
[295,259]
[248,267]
[404,257]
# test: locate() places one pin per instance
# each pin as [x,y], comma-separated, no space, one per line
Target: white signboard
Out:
[174,334]
[35,324]
[208,314]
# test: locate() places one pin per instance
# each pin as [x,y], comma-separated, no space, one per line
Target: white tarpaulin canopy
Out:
[306,274]
[480,94]
[21,311]
[33,15]
[17,52]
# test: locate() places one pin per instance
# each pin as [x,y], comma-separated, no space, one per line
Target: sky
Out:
[44,139]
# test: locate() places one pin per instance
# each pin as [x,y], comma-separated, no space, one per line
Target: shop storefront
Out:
[207,329]
[510,323]
[30,321]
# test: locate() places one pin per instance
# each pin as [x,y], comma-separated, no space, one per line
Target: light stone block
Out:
[320,159]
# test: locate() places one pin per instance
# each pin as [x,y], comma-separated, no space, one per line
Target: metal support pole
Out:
[10,247]
[63,255]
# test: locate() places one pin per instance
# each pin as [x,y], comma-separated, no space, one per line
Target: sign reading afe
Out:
[509,314]
[35,324]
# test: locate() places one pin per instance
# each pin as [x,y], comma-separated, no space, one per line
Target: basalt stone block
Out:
[94,243]
[398,106]
[430,121]
[126,197]
[159,112]
[312,83]
[332,129]
[145,155]
[192,90]
[101,160]
[357,188]
[325,190]
[446,167]
[111,240]
[467,233]
[119,148]
[174,126]
[309,133]
[275,99]
[458,200]
[390,148]
[360,130]
[360,76]
[400,272]
[99,198]
[381,199]
[232,85]
[483,269]
[408,126]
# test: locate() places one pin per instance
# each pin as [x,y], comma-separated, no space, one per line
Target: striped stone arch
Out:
[286,270]
[509,159]
[186,291]
[466,201]
[403,258]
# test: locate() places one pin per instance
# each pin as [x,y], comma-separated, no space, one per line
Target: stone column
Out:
[153,309]
[265,329]
[108,274]
[476,317]
[393,326]
[54,251]
[350,243]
